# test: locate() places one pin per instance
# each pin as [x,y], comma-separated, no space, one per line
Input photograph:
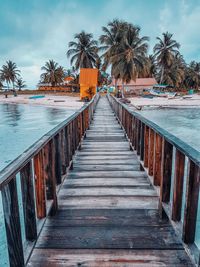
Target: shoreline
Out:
[163,102]
[50,100]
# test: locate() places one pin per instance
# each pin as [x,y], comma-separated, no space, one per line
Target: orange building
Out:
[88,80]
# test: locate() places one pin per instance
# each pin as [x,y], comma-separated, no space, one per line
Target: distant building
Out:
[136,86]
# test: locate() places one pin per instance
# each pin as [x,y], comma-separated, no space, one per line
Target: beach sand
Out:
[69,102]
[165,102]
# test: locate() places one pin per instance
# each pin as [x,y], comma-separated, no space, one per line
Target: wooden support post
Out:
[178,186]
[191,203]
[12,223]
[151,151]
[138,136]
[40,185]
[58,165]
[26,175]
[166,171]
[142,142]
[146,146]
[157,160]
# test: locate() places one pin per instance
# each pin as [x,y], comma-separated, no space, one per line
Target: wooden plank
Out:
[109,258]
[191,206]
[12,223]
[104,237]
[105,174]
[166,165]
[151,152]
[106,168]
[99,191]
[40,186]
[109,202]
[105,182]
[28,199]
[103,217]
[178,186]
[157,160]
[58,164]
[106,162]
[146,146]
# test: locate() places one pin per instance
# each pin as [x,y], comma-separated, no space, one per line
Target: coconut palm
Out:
[111,38]
[164,52]
[53,73]
[83,51]
[192,75]
[130,59]
[20,84]
[9,73]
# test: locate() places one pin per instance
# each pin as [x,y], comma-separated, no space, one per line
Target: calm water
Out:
[185,124]
[22,125]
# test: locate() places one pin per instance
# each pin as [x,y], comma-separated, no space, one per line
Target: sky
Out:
[34,31]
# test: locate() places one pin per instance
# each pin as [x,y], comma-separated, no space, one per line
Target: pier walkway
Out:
[107,208]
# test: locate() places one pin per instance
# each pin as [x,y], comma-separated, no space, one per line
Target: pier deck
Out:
[107,208]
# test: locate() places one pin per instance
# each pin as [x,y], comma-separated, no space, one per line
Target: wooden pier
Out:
[104,199]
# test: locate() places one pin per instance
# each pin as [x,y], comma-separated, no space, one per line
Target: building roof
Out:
[138,82]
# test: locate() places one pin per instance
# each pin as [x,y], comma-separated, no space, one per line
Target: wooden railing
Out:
[29,185]
[173,165]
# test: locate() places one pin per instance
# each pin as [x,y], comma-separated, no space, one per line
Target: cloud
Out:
[33,32]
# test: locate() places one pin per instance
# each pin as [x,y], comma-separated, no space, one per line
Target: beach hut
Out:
[88,80]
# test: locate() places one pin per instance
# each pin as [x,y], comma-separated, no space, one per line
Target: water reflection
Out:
[22,125]
[12,113]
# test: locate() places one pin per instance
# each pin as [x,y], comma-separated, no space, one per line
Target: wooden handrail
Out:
[31,182]
[163,154]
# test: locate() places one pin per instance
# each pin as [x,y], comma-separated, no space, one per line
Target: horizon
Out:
[34,32]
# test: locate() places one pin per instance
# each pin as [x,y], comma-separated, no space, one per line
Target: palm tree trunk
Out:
[162,74]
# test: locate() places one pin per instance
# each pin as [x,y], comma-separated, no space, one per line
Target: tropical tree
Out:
[83,51]
[164,52]
[9,73]
[126,51]
[53,73]
[20,84]
[192,75]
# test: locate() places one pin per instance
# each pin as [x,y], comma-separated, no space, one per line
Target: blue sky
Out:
[33,31]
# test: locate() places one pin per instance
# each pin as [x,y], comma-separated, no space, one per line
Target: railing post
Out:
[191,203]
[40,185]
[151,151]
[166,171]
[146,146]
[58,162]
[178,185]
[157,160]
[142,141]
[12,223]
[26,176]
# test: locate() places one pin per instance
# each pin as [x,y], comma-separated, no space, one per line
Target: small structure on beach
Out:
[88,80]
[136,87]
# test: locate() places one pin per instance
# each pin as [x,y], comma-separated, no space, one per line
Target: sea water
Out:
[20,127]
[184,124]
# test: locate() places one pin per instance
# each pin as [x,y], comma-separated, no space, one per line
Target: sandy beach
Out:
[165,102]
[58,101]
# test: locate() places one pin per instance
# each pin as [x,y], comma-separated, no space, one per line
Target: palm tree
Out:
[164,52]
[9,73]
[192,75]
[20,84]
[83,51]
[53,73]
[129,59]
[111,38]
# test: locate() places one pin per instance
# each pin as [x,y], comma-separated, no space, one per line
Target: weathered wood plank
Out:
[151,237]
[12,223]
[28,202]
[178,186]
[109,258]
